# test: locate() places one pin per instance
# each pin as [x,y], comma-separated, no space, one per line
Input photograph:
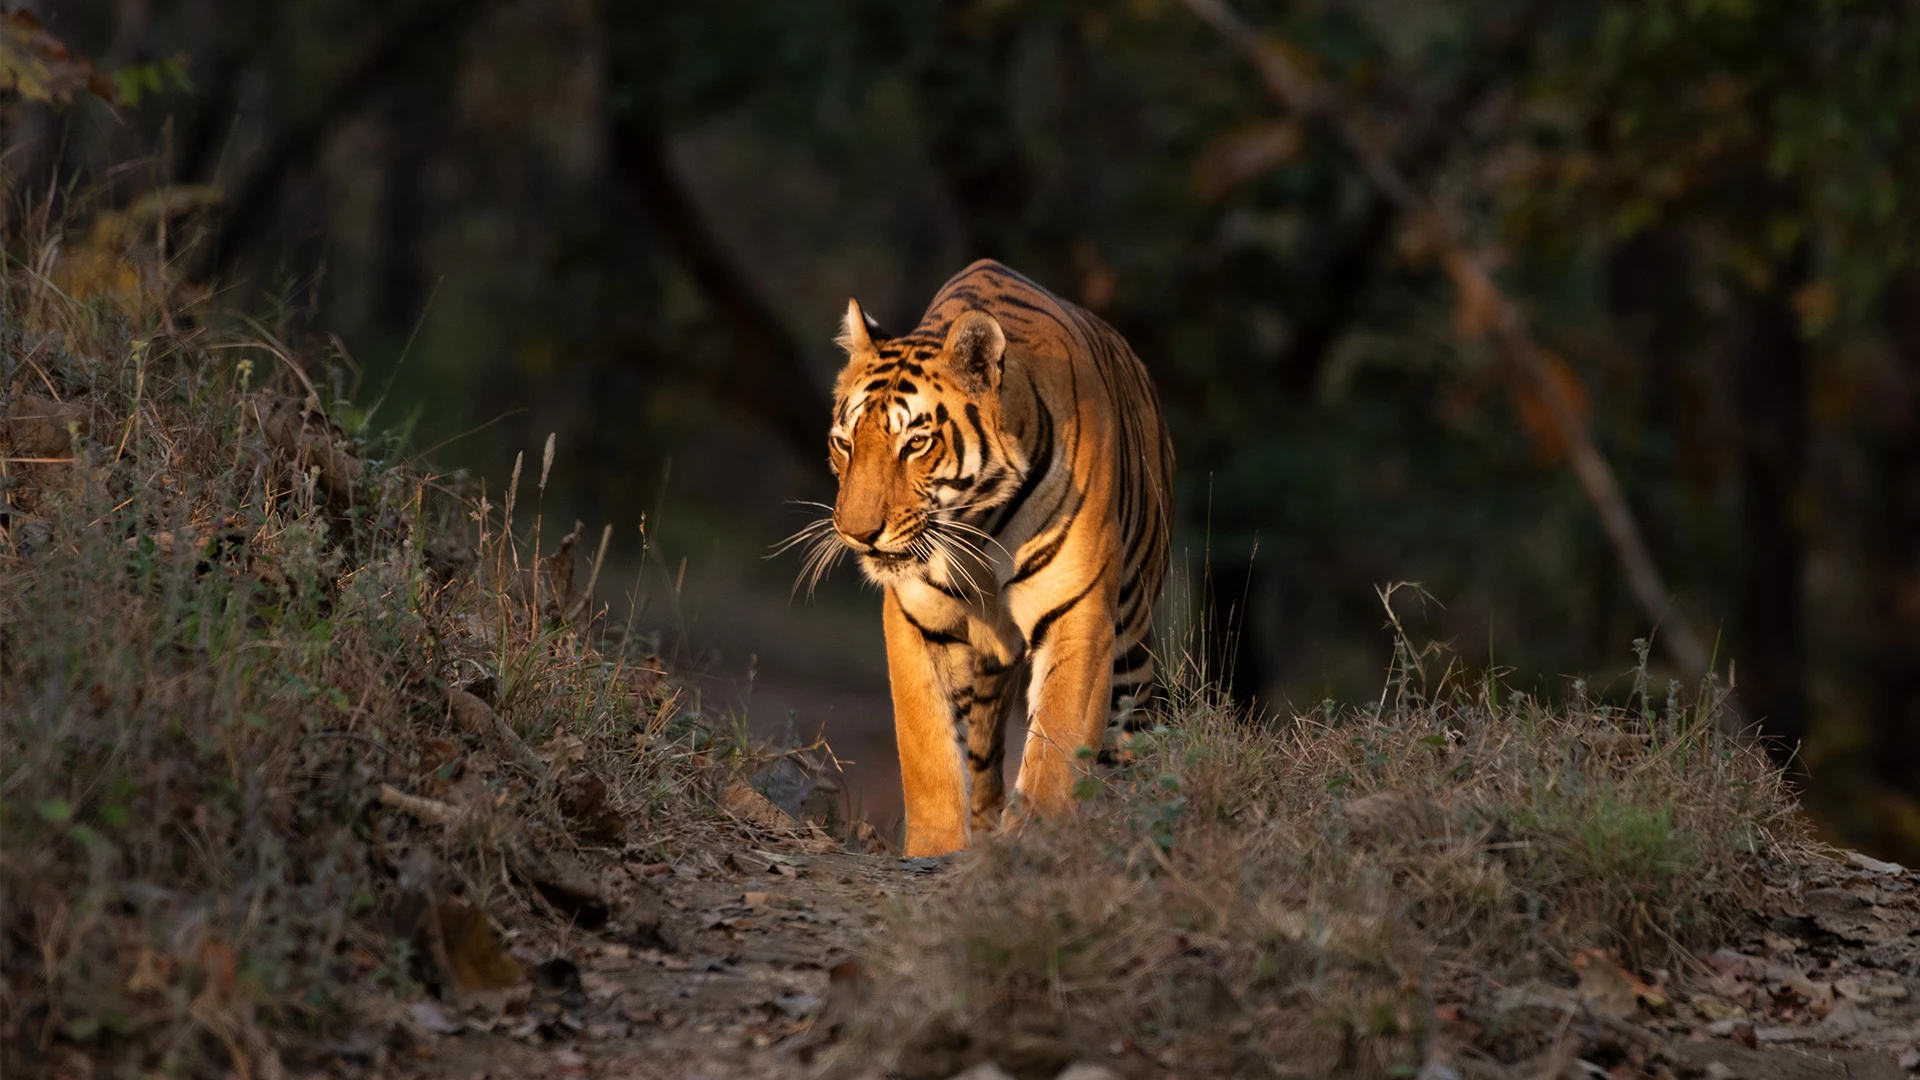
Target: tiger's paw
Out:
[1017,815]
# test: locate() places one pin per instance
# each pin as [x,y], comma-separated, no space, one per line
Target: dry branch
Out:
[1486,309]
[430,811]
[478,717]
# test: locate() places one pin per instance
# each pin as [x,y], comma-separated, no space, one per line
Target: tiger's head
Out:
[916,441]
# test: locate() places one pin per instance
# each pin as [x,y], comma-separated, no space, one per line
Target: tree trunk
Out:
[1892,549]
[1769,362]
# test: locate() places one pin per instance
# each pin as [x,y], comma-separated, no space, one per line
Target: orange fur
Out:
[1005,476]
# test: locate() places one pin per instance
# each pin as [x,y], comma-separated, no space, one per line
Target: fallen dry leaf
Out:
[152,972]
[1605,988]
[754,808]
[474,951]
[216,959]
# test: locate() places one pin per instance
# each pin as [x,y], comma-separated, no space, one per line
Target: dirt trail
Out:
[757,966]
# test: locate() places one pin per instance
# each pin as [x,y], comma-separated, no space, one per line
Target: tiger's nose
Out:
[864,537]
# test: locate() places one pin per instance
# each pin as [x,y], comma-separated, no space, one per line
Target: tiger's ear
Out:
[858,330]
[976,350]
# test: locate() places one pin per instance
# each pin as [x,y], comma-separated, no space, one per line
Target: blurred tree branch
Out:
[415,33]
[1343,278]
[771,383]
[1484,309]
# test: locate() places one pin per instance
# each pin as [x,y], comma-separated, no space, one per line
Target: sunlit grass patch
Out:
[1295,896]
[287,722]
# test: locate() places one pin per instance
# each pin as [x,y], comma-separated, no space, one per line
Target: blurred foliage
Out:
[625,218]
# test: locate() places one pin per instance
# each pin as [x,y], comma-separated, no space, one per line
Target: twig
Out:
[480,718]
[1495,313]
[431,811]
[593,576]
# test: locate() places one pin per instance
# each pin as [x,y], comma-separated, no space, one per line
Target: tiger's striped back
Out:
[1006,477]
[1051,326]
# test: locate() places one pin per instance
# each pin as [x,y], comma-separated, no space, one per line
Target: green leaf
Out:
[57,811]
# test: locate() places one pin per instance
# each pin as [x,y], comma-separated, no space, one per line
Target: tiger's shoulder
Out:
[1028,312]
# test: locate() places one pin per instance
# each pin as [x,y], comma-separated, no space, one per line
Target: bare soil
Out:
[761,962]
[757,967]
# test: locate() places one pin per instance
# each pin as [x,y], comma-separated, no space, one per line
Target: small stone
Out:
[603,1030]
[432,1018]
[1087,1070]
[1720,1070]
[985,1070]
[1833,900]
[797,1006]
[1875,866]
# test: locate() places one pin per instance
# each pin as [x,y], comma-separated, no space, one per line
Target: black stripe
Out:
[1014,301]
[973,417]
[1036,471]
[1038,635]
[957,439]
[1041,559]
[1133,658]
[933,637]
[952,591]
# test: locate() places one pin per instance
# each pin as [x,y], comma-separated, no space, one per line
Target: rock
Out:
[1832,900]
[1740,1031]
[1875,866]
[584,802]
[1848,1018]
[37,426]
[985,1070]
[432,1018]
[797,1006]
[565,882]
[1086,1070]
[1392,815]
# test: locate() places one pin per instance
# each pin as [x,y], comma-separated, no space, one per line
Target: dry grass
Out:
[227,627]
[1297,897]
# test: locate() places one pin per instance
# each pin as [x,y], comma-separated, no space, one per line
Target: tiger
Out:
[1006,478]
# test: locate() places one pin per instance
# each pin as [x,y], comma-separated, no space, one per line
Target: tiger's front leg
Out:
[1067,703]
[920,673]
[996,687]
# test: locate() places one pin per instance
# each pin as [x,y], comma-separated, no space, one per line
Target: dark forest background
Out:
[636,224]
